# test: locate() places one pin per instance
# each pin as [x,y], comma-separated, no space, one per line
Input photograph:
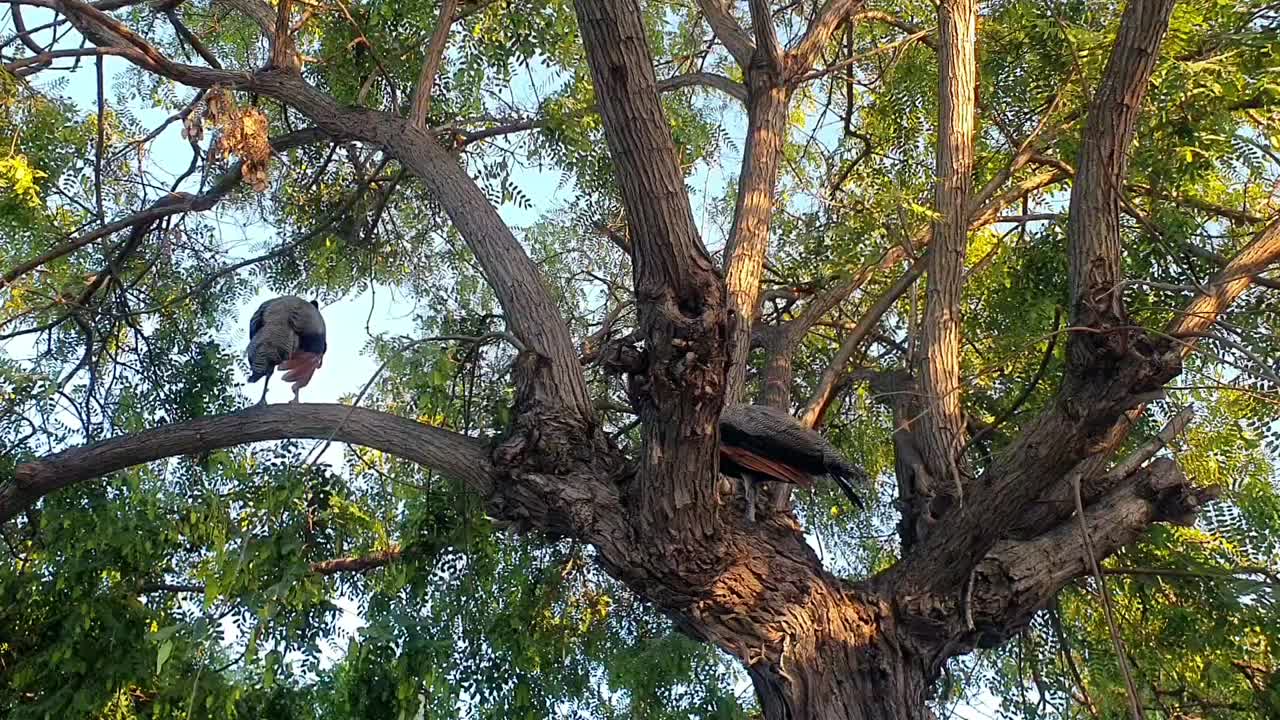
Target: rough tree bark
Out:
[772,75]
[678,294]
[814,645]
[941,426]
[1113,369]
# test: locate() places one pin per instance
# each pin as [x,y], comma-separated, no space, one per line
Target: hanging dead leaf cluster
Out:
[243,132]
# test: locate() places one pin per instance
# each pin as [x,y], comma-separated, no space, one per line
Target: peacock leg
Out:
[266,381]
[749,490]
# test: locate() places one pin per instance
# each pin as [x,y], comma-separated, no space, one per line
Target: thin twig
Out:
[1135,707]
[101,142]
[378,373]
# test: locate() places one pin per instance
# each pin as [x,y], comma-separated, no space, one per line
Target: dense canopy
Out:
[1018,261]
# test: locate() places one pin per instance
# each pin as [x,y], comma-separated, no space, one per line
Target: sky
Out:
[383,310]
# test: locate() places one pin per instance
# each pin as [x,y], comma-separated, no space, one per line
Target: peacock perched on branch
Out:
[286,332]
[760,444]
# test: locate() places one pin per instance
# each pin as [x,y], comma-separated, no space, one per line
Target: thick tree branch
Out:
[766,37]
[1093,229]
[421,104]
[1019,578]
[744,252]
[771,79]
[1240,273]
[454,455]
[1112,371]
[1200,314]
[941,429]
[728,31]
[284,56]
[678,293]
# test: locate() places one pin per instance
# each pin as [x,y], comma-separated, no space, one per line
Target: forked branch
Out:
[1112,372]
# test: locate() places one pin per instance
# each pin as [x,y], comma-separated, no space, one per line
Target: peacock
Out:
[286,332]
[759,444]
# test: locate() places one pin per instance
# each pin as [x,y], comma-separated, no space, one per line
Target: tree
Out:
[1025,452]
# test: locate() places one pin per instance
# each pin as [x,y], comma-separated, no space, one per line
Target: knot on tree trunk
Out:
[1114,367]
[685,351]
[1176,498]
[555,468]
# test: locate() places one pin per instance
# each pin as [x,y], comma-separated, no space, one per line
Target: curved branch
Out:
[733,89]
[257,11]
[1027,389]
[552,378]
[449,453]
[894,21]
[24,35]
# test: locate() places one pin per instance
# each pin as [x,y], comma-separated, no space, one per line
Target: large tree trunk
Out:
[864,675]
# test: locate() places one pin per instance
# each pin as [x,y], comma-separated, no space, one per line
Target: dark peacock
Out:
[286,332]
[761,444]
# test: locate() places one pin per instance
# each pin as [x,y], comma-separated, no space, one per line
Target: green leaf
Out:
[162,654]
